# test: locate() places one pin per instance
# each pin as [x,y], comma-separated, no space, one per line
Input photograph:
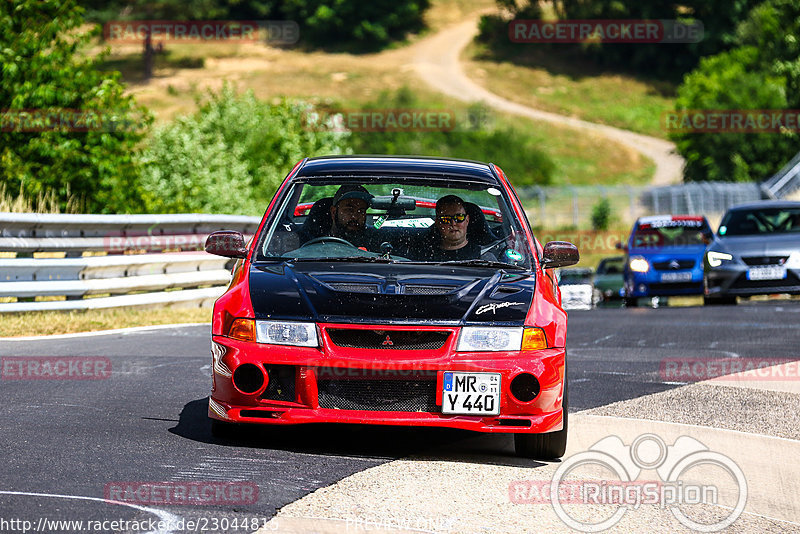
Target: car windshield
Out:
[670,233]
[395,220]
[611,266]
[575,277]
[760,221]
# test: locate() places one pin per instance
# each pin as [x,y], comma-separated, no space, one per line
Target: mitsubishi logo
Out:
[387,341]
[674,265]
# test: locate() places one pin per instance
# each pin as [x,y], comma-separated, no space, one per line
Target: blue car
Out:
[664,257]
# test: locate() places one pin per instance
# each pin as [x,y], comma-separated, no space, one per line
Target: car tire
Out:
[719,301]
[630,302]
[221,429]
[547,446]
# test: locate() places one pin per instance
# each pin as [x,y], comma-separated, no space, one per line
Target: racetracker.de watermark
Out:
[381,120]
[55,368]
[731,121]
[587,241]
[183,492]
[202,31]
[750,369]
[631,31]
[690,476]
[69,120]
[120,243]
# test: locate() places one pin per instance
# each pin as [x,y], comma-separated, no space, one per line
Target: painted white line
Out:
[131,330]
[169,519]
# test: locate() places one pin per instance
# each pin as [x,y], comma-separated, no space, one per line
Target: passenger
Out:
[449,233]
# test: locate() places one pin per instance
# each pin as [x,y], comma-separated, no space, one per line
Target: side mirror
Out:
[226,243]
[620,246]
[559,254]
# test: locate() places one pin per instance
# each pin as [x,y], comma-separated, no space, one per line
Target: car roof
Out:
[766,204]
[658,218]
[442,168]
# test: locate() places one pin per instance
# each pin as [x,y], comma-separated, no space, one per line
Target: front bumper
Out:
[369,386]
[651,284]
[731,280]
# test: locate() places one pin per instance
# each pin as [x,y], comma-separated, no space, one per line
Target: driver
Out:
[349,215]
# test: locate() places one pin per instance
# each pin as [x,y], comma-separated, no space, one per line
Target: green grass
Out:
[579,158]
[545,79]
[49,323]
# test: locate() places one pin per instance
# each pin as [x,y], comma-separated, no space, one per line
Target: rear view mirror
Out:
[559,254]
[226,243]
[385,203]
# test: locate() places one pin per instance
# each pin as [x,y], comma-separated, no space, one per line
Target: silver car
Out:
[756,251]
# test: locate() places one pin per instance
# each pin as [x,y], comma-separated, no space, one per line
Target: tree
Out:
[763,72]
[43,72]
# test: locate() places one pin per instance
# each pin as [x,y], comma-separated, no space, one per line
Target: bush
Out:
[601,214]
[231,156]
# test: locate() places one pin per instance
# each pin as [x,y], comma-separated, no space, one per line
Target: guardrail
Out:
[150,260]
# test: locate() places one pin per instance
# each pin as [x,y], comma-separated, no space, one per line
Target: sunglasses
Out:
[449,219]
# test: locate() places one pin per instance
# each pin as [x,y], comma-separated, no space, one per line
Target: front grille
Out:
[743,283]
[416,289]
[765,260]
[351,287]
[417,394]
[281,383]
[388,339]
[676,286]
[665,265]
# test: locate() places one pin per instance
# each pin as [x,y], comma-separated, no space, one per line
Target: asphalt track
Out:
[64,441]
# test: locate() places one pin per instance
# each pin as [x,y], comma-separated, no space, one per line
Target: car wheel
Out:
[548,446]
[630,302]
[719,301]
[221,429]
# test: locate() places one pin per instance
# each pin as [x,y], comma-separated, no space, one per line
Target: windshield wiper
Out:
[354,259]
[483,263]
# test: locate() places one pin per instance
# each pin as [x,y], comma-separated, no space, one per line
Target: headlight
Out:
[483,339]
[794,261]
[715,259]
[283,333]
[639,264]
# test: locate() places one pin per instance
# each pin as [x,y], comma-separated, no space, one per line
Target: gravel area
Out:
[754,411]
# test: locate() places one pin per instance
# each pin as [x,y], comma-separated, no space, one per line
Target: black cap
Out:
[352,191]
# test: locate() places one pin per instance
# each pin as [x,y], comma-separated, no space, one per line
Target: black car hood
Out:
[365,293]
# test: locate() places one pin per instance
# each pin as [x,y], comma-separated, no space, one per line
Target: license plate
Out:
[767,272]
[676,277]
[471,393]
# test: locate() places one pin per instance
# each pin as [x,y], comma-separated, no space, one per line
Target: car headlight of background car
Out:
[715,258]
[497,339]
[638,264]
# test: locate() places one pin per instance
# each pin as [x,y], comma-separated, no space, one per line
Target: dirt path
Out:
[436,61]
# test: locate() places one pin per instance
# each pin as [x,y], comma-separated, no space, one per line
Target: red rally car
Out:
[411,292]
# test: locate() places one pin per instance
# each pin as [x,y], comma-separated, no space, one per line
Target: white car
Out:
[577,289]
